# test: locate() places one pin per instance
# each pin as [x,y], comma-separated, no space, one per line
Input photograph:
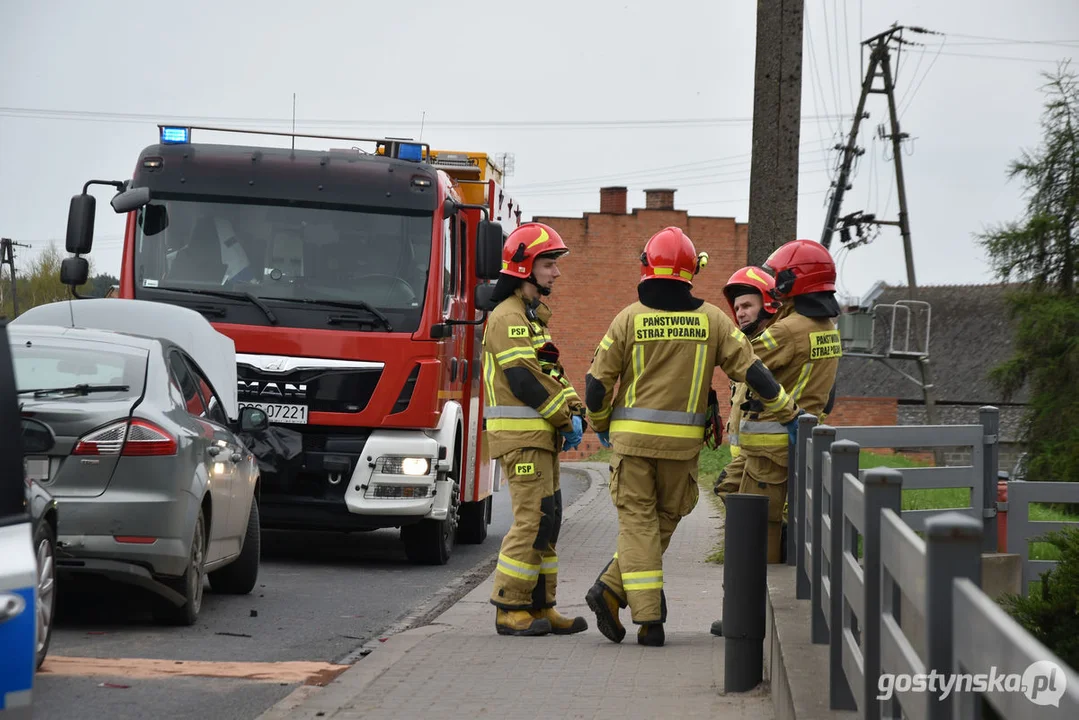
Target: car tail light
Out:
[137,438]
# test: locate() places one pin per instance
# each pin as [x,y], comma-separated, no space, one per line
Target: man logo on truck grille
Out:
[268,390]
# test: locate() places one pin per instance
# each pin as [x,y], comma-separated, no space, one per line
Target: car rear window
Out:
[42,366]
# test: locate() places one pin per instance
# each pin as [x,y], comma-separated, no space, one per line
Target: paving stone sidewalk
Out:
[458,667]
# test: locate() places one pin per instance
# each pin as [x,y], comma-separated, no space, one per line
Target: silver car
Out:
[154,486]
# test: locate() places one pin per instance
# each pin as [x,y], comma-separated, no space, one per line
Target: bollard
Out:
[745,591]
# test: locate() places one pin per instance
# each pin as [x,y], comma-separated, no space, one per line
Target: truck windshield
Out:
[286,253]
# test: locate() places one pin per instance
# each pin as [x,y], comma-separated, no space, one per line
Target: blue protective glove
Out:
[604,438]
[572,438]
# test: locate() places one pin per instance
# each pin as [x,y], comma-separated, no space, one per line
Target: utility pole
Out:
[7,257]
[777,112]
[880,59]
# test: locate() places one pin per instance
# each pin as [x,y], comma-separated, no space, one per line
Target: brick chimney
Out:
[612,200]
[659,199]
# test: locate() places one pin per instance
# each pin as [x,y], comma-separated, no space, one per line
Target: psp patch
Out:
[518,331]
[524,469]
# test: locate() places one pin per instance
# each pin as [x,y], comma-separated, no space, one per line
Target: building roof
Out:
[969,334]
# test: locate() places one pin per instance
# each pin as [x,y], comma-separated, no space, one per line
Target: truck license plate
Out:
[281,413]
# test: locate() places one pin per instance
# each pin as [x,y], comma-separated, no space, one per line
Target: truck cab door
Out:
[457,362]
[18,564]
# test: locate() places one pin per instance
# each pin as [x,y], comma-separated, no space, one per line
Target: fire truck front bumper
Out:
[400,474]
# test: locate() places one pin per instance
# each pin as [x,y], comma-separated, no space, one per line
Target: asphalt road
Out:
[321,596]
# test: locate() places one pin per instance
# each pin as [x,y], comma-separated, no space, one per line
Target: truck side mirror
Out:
[130,199]
[80,224]
[483,294]
[74,271]
[489,242]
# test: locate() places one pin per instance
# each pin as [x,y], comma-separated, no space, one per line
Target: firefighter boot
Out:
[651,634]
[520,622]
[605,605]
[560,624]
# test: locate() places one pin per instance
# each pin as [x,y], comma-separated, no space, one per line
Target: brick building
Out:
[601,272]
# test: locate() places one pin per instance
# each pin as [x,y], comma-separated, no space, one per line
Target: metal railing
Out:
[1021,529]
[855,597]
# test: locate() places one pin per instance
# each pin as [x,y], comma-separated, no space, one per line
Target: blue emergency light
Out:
[175,135]
[410,151]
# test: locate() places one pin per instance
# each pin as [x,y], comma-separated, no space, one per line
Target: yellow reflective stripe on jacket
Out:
[489,377]
[756,433]
[803,380]
[605,343]
[735,451]
[778,401]
[519,425]
[644,580]
[602,414]
[554,404]
[658,429]
[698,377]
[638,370]
[514,353]
[516,568]
[767,339]
[549,565]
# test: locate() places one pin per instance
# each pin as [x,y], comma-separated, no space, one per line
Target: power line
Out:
[991,57]
[118,117]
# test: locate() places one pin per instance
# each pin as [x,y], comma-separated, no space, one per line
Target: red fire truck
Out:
[352,282]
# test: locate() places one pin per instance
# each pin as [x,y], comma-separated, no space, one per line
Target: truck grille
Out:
[321,389]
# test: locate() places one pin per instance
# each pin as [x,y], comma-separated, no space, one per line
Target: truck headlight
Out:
[405,466]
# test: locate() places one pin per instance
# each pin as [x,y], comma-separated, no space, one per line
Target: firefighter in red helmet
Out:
[802,349]
[646,394]
[748,294]
[532,412]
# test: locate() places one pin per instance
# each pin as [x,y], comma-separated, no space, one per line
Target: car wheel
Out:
[240,576]
[190,585]
[45,547]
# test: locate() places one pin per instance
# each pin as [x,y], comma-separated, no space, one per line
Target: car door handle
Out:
[11,606]
[464,370]
[453,369]
[213,450]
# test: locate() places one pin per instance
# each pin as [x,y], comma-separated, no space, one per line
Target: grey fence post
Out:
[952,550]
[823,437]
[844,460]
[883,489]
[795,511]
[989,417]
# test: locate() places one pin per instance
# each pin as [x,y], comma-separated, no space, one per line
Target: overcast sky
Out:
[584,94]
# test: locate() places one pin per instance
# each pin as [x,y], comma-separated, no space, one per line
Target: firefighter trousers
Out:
[763,475]
[730,480]
[651,497]
[527,572]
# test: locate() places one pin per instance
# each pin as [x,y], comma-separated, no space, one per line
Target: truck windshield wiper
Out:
[231,294]
[351,305]
[83,389]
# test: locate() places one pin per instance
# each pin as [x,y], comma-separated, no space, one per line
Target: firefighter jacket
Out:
[525,405]
[663,362]
[803,353]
